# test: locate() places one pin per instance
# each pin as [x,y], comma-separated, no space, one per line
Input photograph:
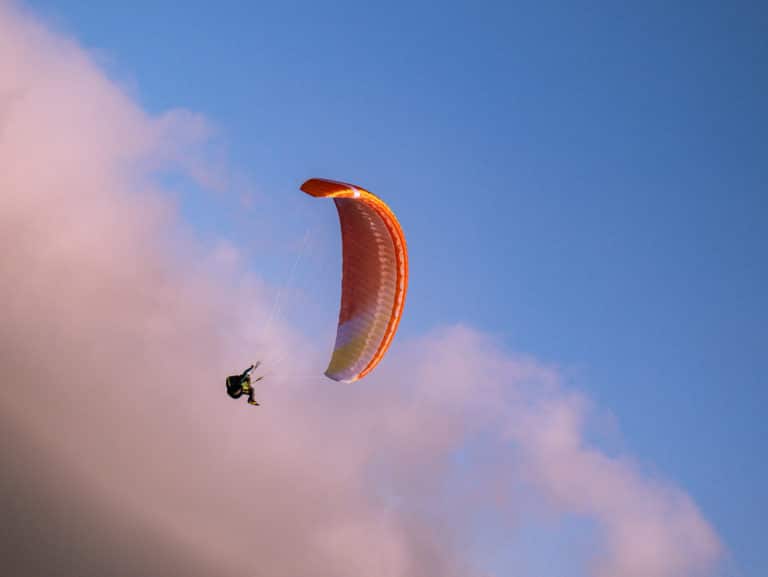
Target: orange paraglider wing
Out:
[374,278]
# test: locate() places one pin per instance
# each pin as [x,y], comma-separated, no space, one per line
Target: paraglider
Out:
[374,282]
[238,385]
[374,278]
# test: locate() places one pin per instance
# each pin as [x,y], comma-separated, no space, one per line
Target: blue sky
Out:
[586,180]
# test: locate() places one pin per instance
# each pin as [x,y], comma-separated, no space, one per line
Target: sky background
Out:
[582,183]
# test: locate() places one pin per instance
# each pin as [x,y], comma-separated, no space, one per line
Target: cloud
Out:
[124,455]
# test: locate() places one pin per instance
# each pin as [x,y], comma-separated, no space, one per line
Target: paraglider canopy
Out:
[374,278]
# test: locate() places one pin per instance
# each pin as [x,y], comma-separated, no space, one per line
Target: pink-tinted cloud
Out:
[118,328]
